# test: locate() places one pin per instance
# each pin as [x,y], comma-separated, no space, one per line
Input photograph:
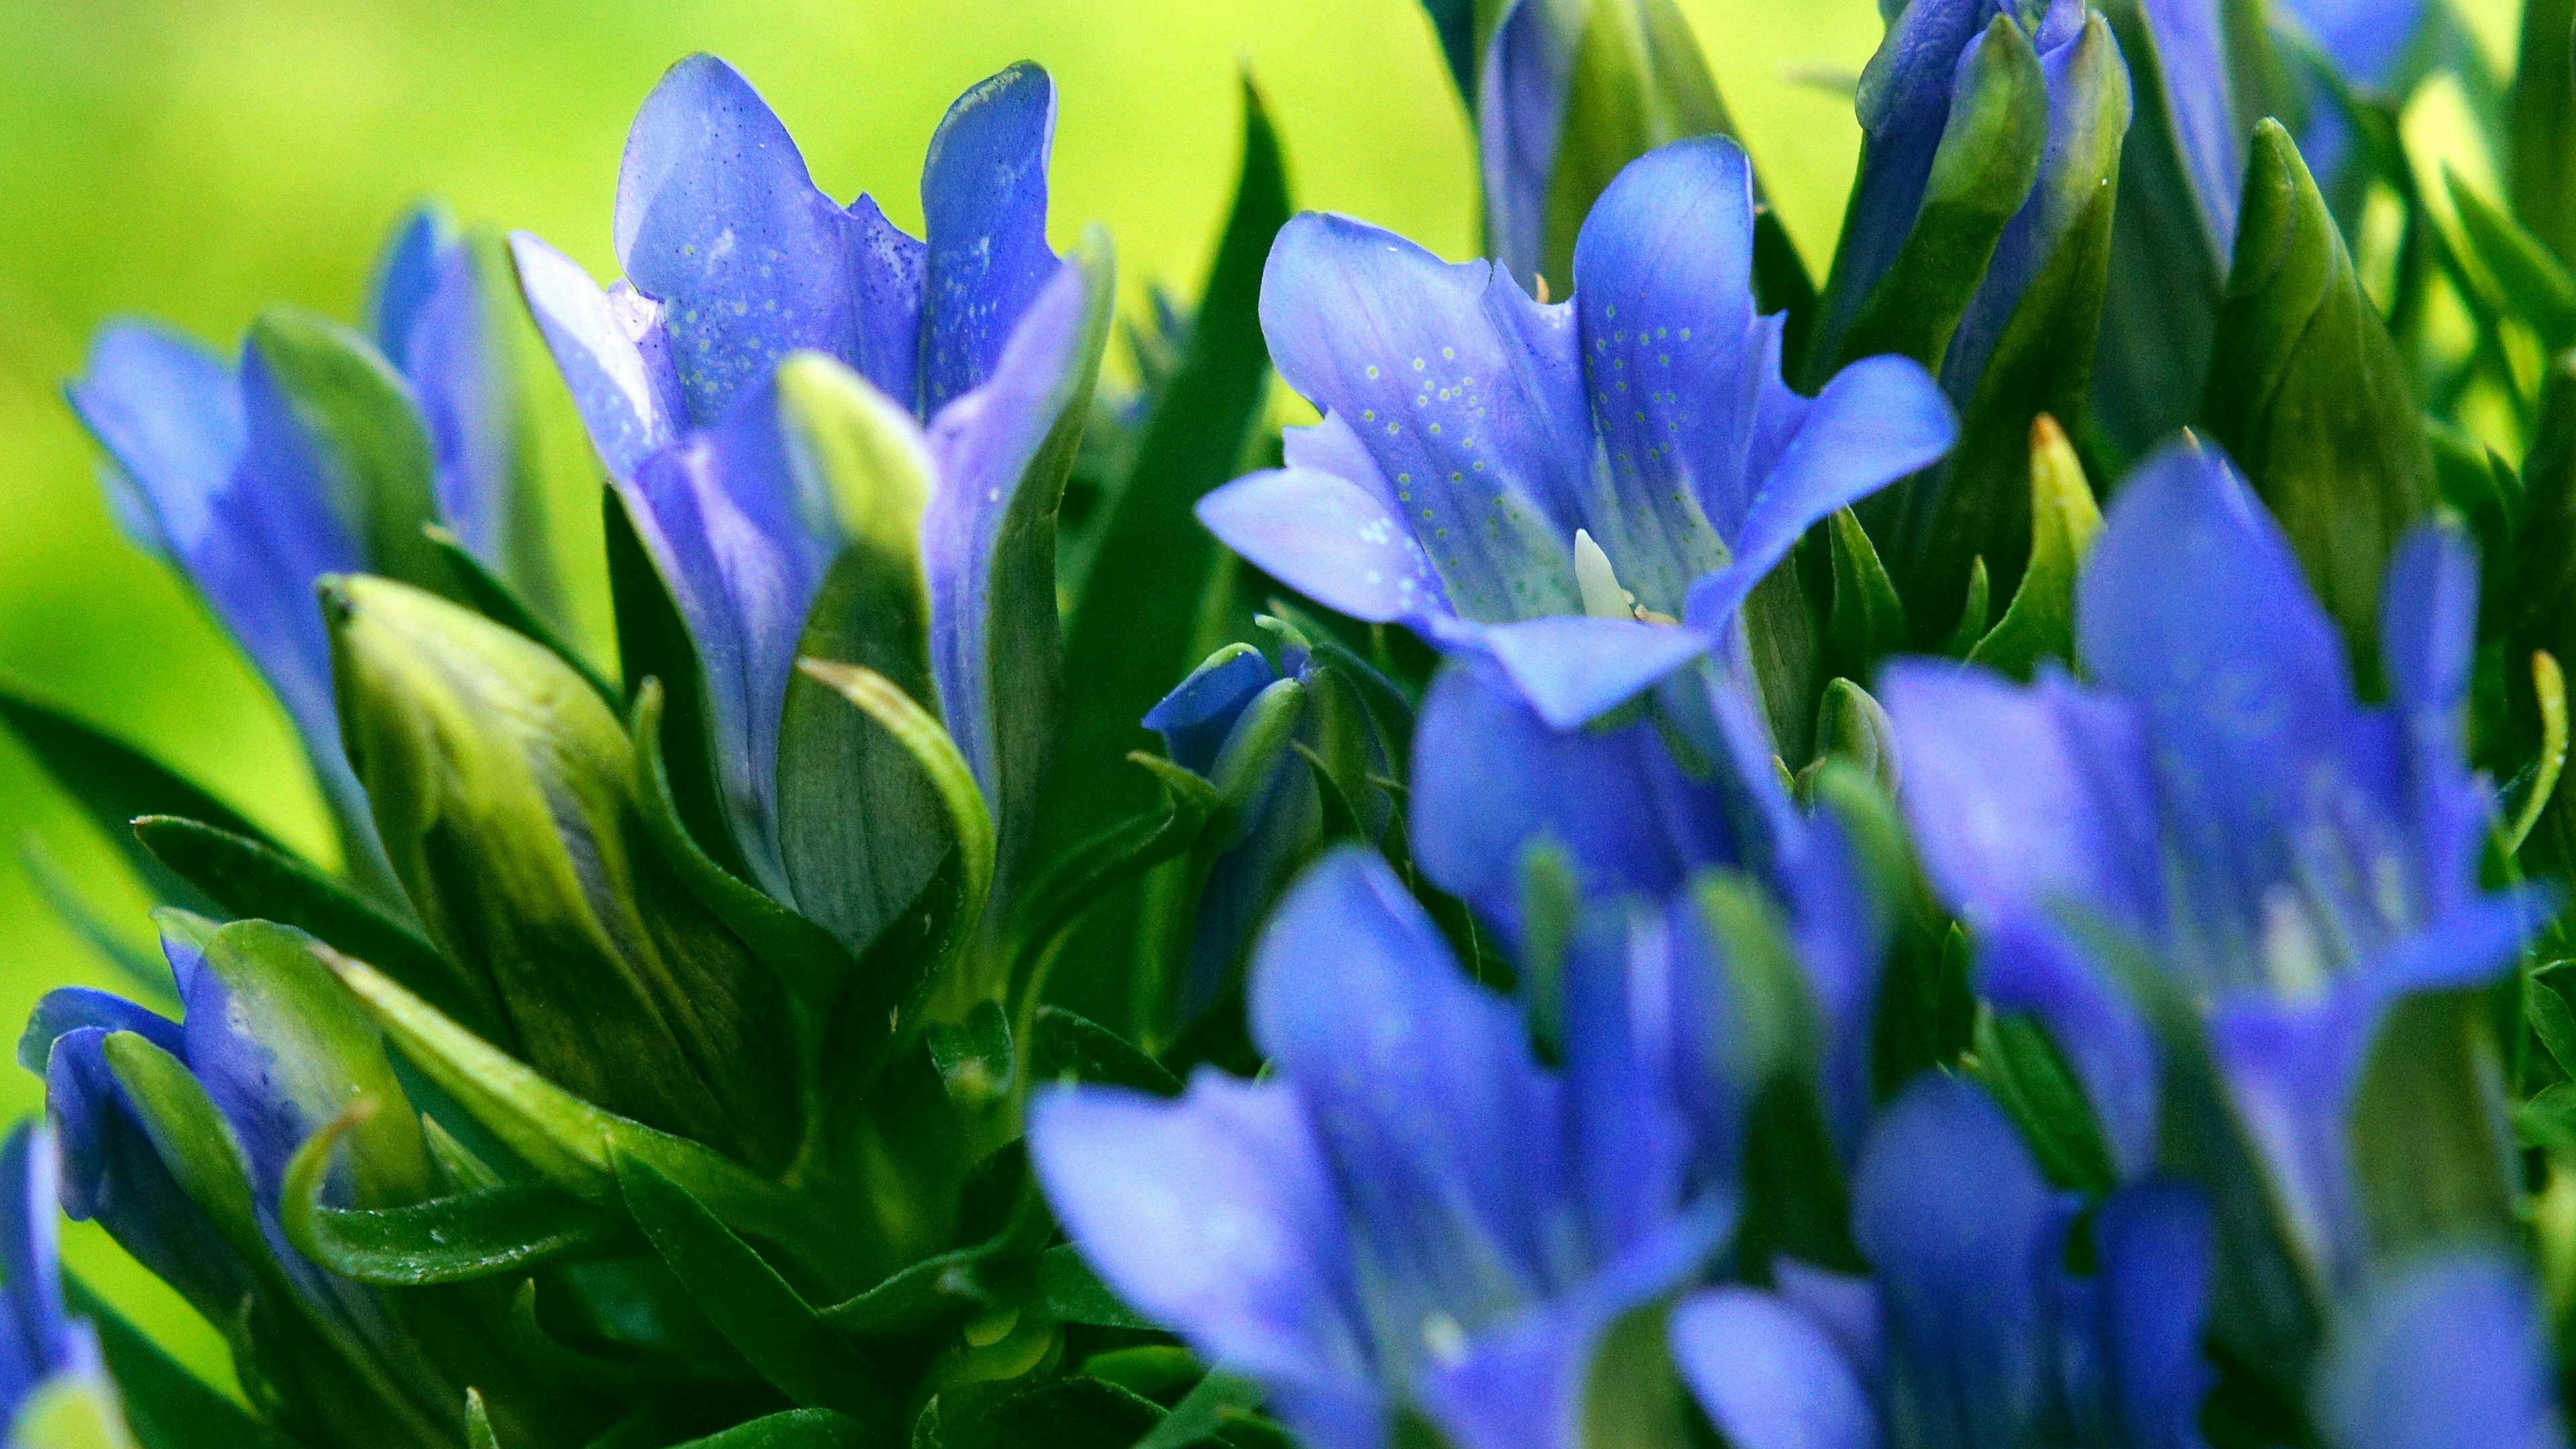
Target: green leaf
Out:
[2018,1061]
[1203,1411]
[2310,396]
[2542,124]
[485,593]
[1071,1293]
[364,433]
[1852,727]
[564,1139]
[457,1239]
[1974,615]
[1633,1397]
[1977,505]
[2548,1119]
[1868,619]
[2429,1150]
[755,1309]
[1135,628]
[1988,159]
[927,742]
[1075,1413]
[112,783]
[478,1423]
[2549,686]
[168,1407]
[2533,284]
[653,643]
[1067,1047]
[1638,81]
[794,1429]
[974,1056]
[2040,621]
[245,878]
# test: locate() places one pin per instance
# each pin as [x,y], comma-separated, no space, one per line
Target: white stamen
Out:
[1598,582]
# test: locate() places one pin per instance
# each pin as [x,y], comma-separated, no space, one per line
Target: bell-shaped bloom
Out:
[1584,492]
[733,260]
[176,1137]
[315,455]
[1408,1212]
[2217,798]
[2447,1353]
[1492,781]
[1970,1330]
[1257,732]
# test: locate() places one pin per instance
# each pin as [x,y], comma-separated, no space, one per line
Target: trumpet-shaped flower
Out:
[1408,1213]
[1970,1331]
[2218,798]
[733,260]
[1584,492]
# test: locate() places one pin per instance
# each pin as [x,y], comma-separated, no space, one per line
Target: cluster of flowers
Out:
[1739,902]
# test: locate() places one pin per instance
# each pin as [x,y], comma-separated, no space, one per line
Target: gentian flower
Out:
[50,1371]
[1408,1213]
[1970,1330]
[315,455]
[2216,798]
[1249,729]
[2446,1353]
[734,260]
[2368,40]
[176,1137]
[1582,493]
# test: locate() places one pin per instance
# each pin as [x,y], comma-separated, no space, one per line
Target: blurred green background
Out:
[198,159]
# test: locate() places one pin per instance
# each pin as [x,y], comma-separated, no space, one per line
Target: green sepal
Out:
[1852,728]
[167,1406]
[793,1429]
[566,1140]
[756,1309]
[2309,394]
[2541,124]
[2018,1061]
[1133,628]
[1637,82]
[1977,505]
[112,782]
[1070,1048]
[1868,619]
[456,1239]
[362,430]
[245,878]
[1988,160]
[2431,1151]
[858,828]
[653,643]
[2039,623]
[191,1138]
[1219,1402]
[2534,286]
[1071,1293]
[479,589]
[1633,1395]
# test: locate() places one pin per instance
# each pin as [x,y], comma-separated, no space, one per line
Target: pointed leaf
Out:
[1071,1293]
[1868,619]
[2542,121]
[1066,1047]
[2533,285]
[794,1429]
[2040,621]
[2020,1064]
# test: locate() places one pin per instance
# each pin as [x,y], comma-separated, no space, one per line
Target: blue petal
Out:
[1768,1376]
[2428,644]
[1879,419]
[1573,669]
[984,197]
[984,447]
[35,1337]
[1195,719]
[1663,284]
[1466,394]
[1330,539]
[1491,779]
[169,412]
[718,221]
[1445,1132]
[464,389]
[405,275]
[743,554]
[1520,113]
[885,270]
[1965,1233]
[2024,963]
[2156,1247]
[2021,797]
[112,1175]
[2448,1353]
[2366,38]
[1216,1215]
[627,391]
[1631,1145]
[2191,51]
[68,1009]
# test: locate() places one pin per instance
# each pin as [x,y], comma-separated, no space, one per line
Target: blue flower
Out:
[2446,1353]
[2368,40]
[1408,1213]
[1583,492]
[42,1349]
[268,1051]
[2217,797]
[1970,1330]
[982,334]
